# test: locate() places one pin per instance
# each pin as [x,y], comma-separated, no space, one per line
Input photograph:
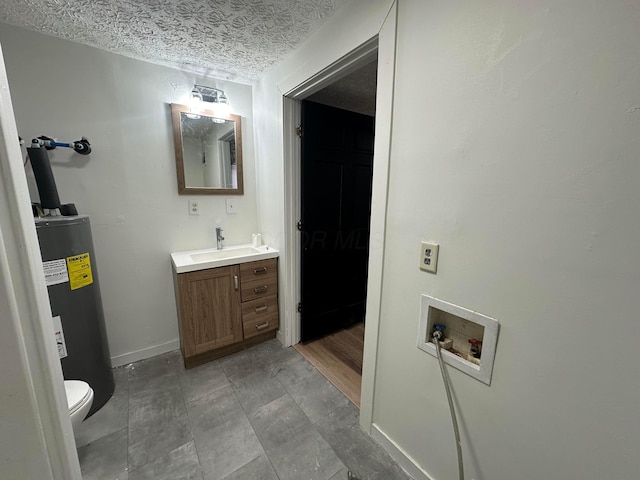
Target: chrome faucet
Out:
[219,237]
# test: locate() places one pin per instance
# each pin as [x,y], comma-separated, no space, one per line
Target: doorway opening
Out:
[335,181]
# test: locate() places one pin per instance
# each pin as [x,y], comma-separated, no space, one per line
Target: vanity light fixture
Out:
[202,93]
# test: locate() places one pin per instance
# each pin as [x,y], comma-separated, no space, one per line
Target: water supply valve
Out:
[476,347]
[438,334]
[438,331]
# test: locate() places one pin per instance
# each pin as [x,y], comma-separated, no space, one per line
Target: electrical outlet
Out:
[429,256]
[194,207]
[231,205]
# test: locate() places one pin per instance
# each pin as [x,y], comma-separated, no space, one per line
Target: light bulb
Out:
[196,99]
[222,109]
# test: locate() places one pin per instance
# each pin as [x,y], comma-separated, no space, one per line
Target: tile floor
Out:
[261,414]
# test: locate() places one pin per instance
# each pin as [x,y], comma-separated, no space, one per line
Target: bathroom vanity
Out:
[227,300]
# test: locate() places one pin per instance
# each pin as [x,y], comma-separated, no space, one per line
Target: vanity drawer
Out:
[260,269]
[259,288]
[259,279]
[259,316]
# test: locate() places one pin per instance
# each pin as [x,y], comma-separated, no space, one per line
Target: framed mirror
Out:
[208,152]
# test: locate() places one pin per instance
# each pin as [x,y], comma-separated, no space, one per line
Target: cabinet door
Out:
[210,309]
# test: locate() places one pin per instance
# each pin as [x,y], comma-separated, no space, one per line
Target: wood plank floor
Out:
[339,358]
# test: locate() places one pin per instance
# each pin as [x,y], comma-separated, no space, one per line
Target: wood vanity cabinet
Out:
[226,309]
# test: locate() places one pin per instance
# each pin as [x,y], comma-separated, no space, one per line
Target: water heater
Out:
[71,275]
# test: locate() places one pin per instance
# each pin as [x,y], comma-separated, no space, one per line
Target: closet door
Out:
[337,169]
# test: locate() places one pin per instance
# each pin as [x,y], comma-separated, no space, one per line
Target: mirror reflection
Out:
[208,152]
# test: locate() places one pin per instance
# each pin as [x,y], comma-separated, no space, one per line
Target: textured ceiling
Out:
[356,92]
[228,39]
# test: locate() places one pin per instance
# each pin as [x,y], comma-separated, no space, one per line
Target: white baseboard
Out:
[148,352]
[282,337]
[401,457]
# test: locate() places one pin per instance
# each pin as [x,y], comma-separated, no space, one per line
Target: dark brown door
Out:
[337,166]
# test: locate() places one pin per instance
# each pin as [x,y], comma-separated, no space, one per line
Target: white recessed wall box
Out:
[465,329]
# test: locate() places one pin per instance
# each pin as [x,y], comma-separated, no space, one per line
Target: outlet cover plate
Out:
[429,256]
[194,207]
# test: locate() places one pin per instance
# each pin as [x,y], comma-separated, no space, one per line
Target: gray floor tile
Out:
[152,373]
[257,389]
[179,464]
[214,409]
[341,475]
[261,414]
[272,354]
[319,399]
[275,422]
[113,416]
[306,455]
[240,364]
[153,367]
[293,445]
[294,371]
[106,458]
[258,469]
[202,380]
[267,356]
[360,453]
[175,359]
[223,435]
[157,423]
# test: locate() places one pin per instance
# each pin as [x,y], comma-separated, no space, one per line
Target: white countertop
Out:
[212,258]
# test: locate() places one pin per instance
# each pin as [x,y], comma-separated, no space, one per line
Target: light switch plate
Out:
[429,256]
[231,205]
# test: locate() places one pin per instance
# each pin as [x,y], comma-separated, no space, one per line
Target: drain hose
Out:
[447,388]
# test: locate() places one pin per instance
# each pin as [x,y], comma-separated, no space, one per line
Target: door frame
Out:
[384,45]
[292,116]
[31,369]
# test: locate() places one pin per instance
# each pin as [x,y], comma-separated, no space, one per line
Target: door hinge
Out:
[299,131]
[299,225]
[300,307]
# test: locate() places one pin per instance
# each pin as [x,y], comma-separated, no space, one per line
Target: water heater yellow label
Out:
[79,267]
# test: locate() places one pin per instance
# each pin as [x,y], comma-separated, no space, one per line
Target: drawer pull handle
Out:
[235,282]
[260,289]
[260,309]
[261,326]
[257,271]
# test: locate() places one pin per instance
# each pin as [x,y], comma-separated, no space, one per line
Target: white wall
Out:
[128,183]
[514,145]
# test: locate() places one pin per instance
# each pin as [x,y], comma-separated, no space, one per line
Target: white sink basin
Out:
[220,254]
[211,258]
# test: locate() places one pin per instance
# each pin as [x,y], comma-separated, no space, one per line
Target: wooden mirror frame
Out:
[183,189]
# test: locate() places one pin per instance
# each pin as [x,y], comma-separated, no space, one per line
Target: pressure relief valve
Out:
[47,190]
